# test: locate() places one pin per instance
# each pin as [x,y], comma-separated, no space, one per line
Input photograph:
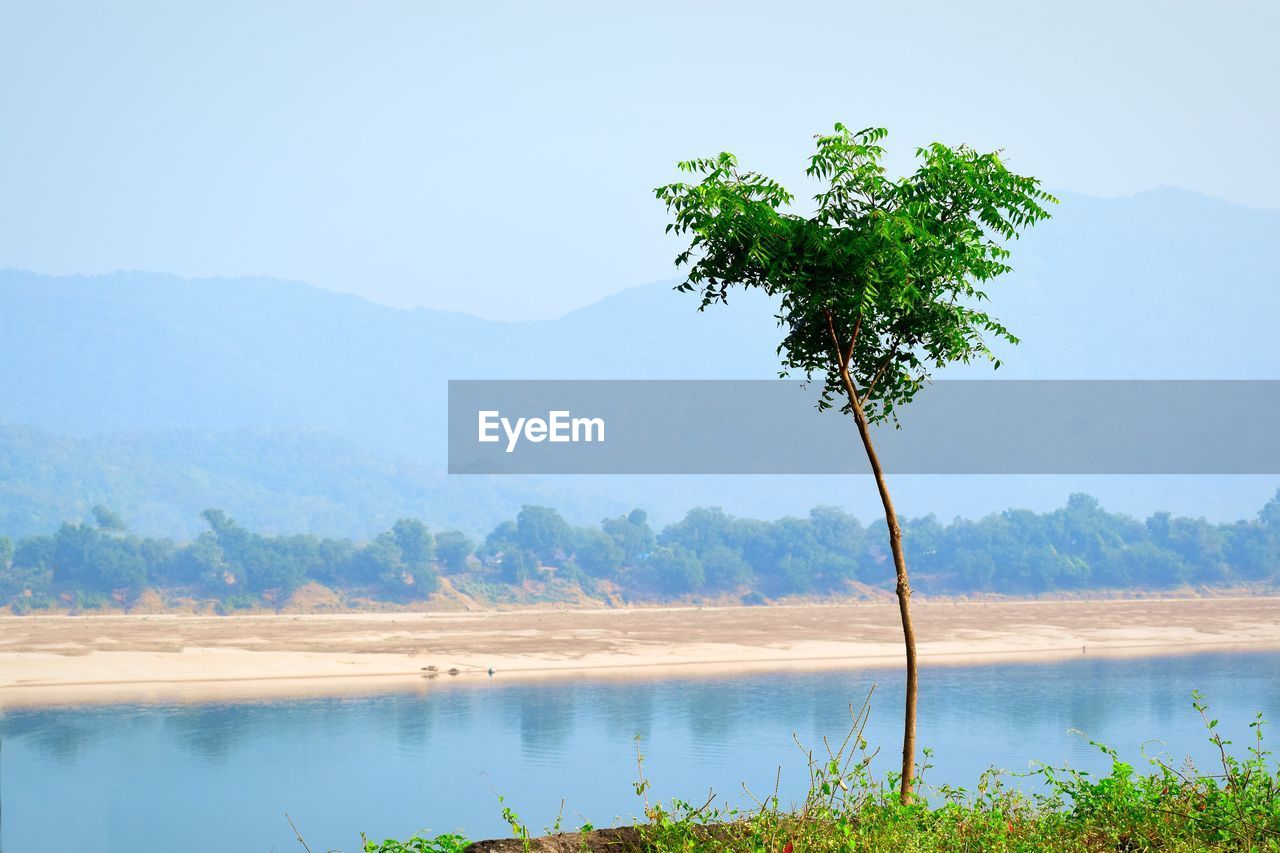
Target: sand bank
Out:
[77,659]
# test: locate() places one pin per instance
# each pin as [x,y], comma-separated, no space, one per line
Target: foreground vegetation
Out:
[706,555]
[1170,807]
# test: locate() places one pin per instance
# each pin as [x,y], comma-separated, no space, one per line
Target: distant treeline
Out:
[706,554]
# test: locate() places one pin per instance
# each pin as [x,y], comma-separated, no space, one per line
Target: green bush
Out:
[448,843]
[237,601]
[1168,808]
[1236,806]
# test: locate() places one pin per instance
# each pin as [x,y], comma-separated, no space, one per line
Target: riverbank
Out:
[85,659]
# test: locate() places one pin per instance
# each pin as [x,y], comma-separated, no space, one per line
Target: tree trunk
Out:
[903,590]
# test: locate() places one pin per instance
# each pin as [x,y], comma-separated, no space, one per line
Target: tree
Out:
[675,570]
[453,547]
[417,548]
[396,561]
[597,553]
[35,552]
[377,562]
[1270,513]
[518,565]
[237,552]
[108,520]
[632,534]
[701,529]
[332,556]
[876,289]
[724,567]
[280,563]
[86,558]
[200,562]
[544,532]
[502,538]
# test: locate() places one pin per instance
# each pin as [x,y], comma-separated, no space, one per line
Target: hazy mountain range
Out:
[298,408]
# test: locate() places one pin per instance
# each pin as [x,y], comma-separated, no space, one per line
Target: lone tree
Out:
[881,285]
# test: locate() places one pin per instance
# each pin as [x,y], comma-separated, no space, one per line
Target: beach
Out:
[46,660]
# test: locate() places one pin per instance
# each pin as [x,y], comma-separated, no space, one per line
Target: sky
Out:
[499,158]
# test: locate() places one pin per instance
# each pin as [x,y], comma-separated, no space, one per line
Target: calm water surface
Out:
[220,777]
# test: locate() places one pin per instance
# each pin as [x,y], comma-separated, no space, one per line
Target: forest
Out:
[707,555]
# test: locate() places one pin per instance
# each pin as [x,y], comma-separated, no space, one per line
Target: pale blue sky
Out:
[497,158]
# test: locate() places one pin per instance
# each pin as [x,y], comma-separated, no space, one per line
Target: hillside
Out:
[274,480]
[1108,288]
[298,408]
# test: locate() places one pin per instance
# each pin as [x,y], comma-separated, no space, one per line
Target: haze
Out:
[497,160]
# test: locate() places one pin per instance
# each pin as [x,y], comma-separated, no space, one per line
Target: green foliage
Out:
[518,566]
[1177,807]
[597,553]
[817,554]
[1269,515]
[108,520]
[447,843]
[675,570]
[453,548]
[200,562]
[237,601]
[97,558]
[1233,806]
[724,568]
[34,552]
[885,279]
[382,562]
[501,538]
[701,529]
[19,583]
[417,548]
[518,828]
[1079,546]
[377,562]
[631,533]
[542,531]
[256,563]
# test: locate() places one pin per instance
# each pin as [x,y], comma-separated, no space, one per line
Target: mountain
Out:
[1165,284]
[303,408]
[140,351]
[277,481]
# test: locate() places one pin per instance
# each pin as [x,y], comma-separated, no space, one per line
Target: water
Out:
[220,777]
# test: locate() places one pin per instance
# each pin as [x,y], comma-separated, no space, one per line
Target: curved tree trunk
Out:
[903,590]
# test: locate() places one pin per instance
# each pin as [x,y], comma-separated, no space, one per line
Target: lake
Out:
[219,777]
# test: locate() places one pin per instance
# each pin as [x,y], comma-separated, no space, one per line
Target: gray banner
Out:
[953,427]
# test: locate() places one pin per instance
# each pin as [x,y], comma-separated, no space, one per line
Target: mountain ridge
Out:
[1165,284]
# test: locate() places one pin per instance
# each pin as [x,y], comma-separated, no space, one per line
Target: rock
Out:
[623,839]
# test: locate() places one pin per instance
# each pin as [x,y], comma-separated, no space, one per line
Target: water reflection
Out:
[546,718]
[395,763]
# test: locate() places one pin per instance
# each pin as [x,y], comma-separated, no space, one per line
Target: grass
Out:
[1166,808]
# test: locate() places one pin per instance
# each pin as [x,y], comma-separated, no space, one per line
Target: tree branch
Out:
[888,359]
[835,342]
[842,358]
[857,327]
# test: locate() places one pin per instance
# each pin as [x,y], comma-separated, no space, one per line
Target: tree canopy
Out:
[708,553]
[888,273]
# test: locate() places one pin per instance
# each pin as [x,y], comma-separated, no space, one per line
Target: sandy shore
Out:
[64,659]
